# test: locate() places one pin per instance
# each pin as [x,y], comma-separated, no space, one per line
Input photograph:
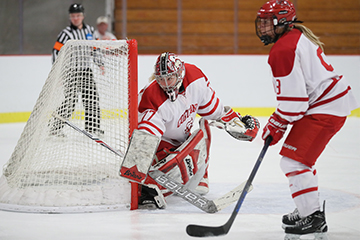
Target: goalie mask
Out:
[169,74]
[273,19]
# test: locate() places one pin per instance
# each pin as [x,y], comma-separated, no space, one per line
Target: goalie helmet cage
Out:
[55,169]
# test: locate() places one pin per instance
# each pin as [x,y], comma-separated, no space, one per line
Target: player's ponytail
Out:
[310,35]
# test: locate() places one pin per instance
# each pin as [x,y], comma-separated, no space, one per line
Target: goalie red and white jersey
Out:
[305,82]
[174,120]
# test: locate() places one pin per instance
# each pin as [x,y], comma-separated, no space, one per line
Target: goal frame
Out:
[122,74]
[133,110]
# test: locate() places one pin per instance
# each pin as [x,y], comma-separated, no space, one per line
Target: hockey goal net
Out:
[92,84]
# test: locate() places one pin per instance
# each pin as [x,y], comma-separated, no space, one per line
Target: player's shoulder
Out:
[287,43]
[67,29]
[151,97]
[192,74]
[88,27]
[193,70]
[282,54]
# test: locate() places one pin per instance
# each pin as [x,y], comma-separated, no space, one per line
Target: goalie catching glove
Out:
[242,128]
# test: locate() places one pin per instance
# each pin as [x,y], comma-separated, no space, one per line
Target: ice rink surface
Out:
[231,162]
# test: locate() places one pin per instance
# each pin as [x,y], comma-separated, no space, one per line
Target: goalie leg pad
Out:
[183,163]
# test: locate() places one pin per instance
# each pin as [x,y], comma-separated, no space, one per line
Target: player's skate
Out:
[290,219]
[151,198]
[311,227]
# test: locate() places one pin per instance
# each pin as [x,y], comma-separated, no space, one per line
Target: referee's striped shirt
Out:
[72,33]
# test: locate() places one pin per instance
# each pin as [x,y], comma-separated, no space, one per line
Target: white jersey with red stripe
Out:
[305,82]
[173,120]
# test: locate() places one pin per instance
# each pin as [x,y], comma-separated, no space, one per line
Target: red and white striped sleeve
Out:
[288,79]
[211,107]
[149,118]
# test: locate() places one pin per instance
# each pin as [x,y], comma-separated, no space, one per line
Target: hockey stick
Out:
[206,205]
[209,206]
[96,139]
[208,231]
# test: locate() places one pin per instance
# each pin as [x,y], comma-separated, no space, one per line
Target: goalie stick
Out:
[206,205]
[96,139]
[209,206]
[208,231]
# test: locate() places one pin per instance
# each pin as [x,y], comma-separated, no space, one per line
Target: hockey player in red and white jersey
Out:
[312,97]
[167,108]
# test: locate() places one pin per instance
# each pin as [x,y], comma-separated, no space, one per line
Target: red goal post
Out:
[133,109]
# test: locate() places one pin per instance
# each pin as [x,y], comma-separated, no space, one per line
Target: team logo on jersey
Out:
[187,114]
[189,125]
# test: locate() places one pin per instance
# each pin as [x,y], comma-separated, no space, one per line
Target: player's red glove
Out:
[275,127]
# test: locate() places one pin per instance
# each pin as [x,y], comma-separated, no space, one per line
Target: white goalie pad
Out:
[188,163]
[139,156]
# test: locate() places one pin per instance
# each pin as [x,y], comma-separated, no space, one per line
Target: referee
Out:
[79,79]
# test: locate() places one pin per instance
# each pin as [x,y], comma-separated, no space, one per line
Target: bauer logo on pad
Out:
[139,156]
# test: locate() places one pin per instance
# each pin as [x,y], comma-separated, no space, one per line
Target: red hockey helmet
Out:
[277,13]
[169,73]
[282,11]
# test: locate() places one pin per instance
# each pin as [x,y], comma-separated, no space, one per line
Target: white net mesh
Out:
[57,169]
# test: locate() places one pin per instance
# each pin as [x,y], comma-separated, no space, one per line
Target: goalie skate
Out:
[151,198]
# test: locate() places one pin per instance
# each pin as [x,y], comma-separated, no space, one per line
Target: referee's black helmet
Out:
[76,8]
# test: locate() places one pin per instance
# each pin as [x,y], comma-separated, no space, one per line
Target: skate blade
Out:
[310,236]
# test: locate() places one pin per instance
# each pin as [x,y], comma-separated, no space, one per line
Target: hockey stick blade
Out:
[209,231]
